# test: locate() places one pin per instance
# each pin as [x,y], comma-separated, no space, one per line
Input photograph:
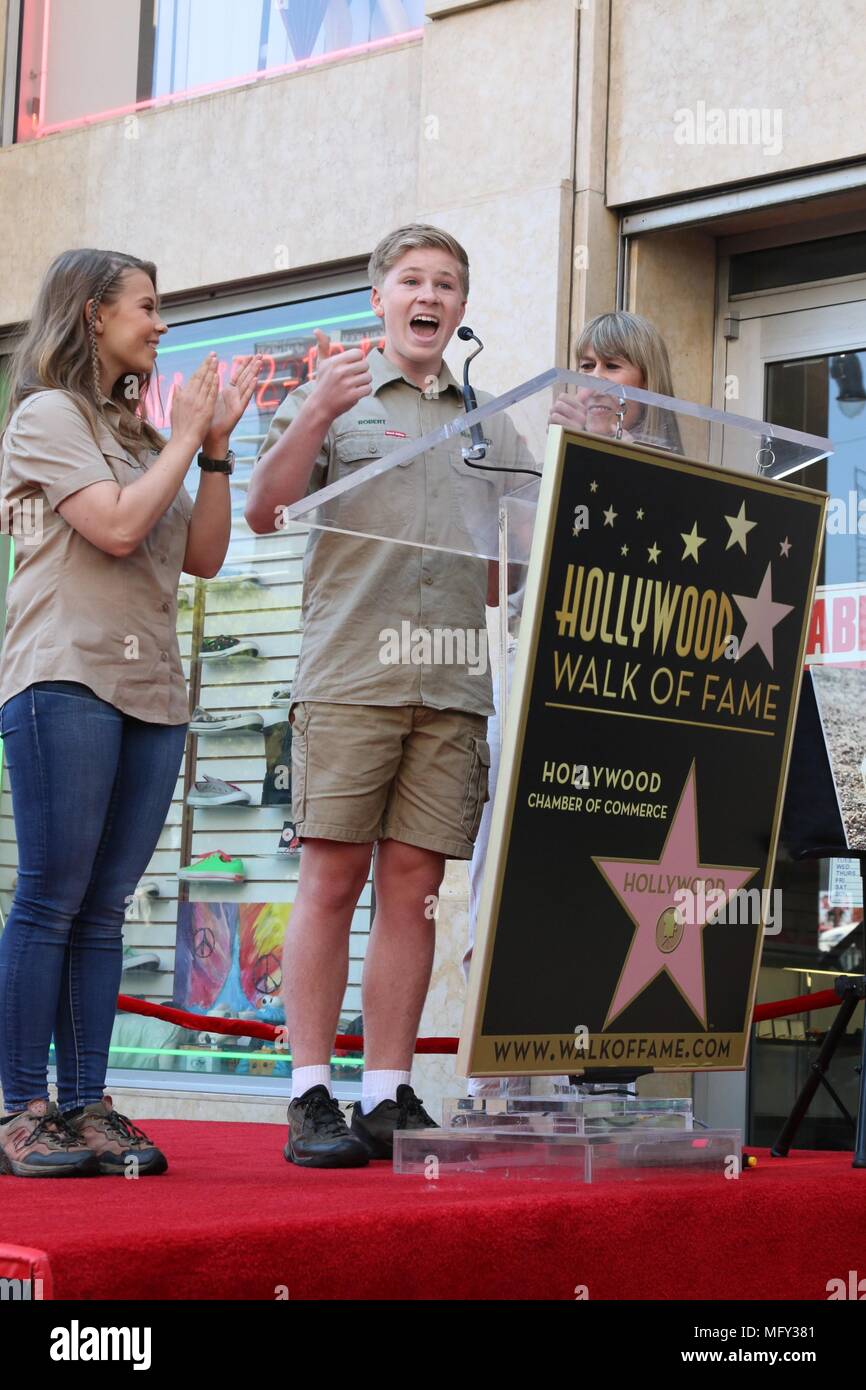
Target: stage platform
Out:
[232,1220]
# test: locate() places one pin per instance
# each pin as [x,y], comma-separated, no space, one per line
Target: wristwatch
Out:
[226,465]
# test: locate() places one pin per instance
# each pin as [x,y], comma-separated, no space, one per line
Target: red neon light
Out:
[43,76]
[160,416]
[262,400]
[393,40]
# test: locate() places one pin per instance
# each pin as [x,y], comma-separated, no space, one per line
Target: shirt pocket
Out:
[125,470]
[384,504]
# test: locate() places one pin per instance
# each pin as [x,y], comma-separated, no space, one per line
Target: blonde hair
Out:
[58,349]
[409,238]
[639,342]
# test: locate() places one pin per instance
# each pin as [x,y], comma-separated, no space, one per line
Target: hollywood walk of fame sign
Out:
[643,766]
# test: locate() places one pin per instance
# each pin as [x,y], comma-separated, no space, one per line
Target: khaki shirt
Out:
[356,590]
[74,612]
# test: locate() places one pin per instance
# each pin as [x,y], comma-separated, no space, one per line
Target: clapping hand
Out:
[230,405]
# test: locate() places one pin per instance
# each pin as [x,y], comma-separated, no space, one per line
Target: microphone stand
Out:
[478,448]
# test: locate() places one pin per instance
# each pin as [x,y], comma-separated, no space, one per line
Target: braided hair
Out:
[59,347]
[100,291]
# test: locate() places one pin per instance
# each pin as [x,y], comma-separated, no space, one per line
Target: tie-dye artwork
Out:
[229,955]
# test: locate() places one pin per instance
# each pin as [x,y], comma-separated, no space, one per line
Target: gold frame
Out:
[473,1045]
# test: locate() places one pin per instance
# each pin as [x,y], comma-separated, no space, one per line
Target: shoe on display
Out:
[203,722]
[318,1134]
[376,1130]
[290,844]
[212,791]
[221,648]
[119,1147]
[38,1143]
[134,959]
[215,867]
[282,697]
[229,575]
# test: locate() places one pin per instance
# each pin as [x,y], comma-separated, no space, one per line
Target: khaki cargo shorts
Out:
[377,772]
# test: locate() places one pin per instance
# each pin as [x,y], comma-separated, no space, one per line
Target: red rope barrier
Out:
[803,1004]
[249,1028]
[354,1042]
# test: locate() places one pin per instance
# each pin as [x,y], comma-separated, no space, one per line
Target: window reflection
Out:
[135,52]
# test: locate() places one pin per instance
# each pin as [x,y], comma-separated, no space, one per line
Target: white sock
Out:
[381,1085]
[305,1077]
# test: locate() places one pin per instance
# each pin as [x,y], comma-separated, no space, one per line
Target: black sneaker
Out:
[318,1134]
[376,1130]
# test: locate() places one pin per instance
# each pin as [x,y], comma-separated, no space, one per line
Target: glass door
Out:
[798,362]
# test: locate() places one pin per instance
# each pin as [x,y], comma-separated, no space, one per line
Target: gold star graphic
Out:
[740,528]
[593,487]
[639,513]
[610,516]
[784,547]
[692,542]
[623,550]
[653,553]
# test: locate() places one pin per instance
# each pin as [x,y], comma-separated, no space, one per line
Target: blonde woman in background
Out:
[626,349]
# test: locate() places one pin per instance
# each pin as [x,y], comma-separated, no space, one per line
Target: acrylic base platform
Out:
[561,1113]
[636,1154]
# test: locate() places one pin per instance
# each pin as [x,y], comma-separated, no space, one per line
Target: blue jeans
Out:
[91,788]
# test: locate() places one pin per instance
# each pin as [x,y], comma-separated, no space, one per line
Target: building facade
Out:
[696,161]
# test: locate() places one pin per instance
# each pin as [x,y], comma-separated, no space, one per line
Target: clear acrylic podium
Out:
[493,452]
[488,462]
[470,489]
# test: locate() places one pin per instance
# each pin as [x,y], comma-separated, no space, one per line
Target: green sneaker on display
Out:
[216,867]
[136,959]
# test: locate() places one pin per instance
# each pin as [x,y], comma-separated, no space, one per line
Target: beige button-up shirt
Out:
[364,599]
[74,612]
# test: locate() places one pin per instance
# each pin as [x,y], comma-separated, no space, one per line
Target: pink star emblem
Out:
[664,939]
[761,614]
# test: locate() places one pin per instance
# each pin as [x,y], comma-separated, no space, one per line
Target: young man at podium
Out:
[393,757]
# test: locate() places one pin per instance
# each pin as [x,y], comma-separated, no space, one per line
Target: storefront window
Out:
[132,54]
[204,946]
[821,934]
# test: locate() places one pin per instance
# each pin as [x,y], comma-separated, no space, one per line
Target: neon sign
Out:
[271,390]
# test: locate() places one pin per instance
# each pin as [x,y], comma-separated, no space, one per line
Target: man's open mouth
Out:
[424,325]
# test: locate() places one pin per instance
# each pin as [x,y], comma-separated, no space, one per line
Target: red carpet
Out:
[231,1219]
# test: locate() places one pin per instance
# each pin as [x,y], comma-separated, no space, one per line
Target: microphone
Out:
[478,448]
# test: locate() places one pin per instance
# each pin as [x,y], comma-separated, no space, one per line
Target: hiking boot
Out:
[118,1146]
[38,1143]
[318,1134]
[376,1130]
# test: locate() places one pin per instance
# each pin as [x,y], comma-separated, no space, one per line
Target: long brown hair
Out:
[58,349]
